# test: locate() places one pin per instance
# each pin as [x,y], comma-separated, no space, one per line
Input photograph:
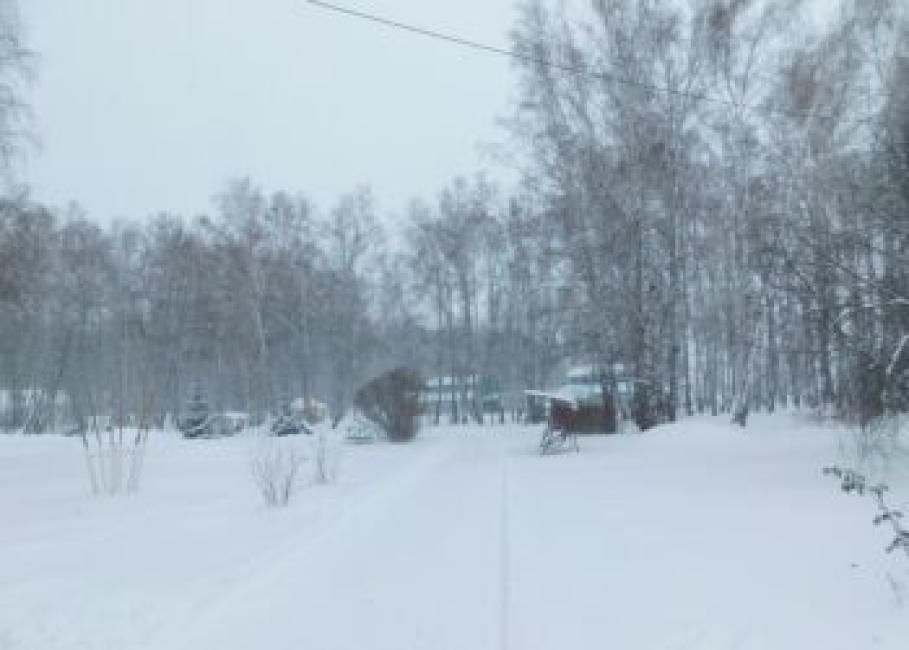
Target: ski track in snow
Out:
[504,560]
[696,536]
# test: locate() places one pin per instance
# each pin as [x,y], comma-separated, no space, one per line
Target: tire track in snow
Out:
[437,549]
[504,561]
[228,587]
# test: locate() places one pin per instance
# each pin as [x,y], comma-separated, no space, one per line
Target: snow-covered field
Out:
[695,536]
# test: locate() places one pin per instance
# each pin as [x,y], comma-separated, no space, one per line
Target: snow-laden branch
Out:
[897,353]
[846,311]
[852,482]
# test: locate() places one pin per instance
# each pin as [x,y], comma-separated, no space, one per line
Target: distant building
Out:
[585,384]
[580,399]
[460,398]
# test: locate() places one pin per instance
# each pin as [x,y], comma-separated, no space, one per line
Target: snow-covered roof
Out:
[582,372]
[591,372]
[435,382]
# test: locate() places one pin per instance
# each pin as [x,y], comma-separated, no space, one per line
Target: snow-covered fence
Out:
[114,460]
[852,482]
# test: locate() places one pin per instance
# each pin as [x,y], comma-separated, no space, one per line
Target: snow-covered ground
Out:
[697,536]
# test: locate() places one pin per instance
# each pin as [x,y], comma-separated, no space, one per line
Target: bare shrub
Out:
[326,456]
[114,460]
[275,467]
[851,482]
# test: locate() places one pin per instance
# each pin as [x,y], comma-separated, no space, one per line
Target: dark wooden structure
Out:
[570,415]
[583,417]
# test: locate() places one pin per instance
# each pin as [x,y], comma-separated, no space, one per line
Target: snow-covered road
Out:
[696,536]
[418,568]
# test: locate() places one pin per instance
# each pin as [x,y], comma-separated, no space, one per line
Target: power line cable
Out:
[500,51]
[413,29]
[555,65]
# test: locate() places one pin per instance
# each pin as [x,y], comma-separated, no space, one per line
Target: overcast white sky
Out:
[149,105]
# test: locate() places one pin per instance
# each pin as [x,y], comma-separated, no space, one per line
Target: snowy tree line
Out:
[260,302]
[728,187]
[714,193]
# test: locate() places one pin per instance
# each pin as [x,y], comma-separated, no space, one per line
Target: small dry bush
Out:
[276,469]
[326,455]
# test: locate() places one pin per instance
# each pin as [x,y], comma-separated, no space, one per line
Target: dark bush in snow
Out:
[862,399]
[740,412]
[392,401]
[290,423]
[193,423]
[645,407]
